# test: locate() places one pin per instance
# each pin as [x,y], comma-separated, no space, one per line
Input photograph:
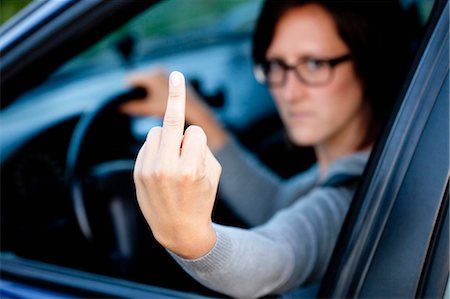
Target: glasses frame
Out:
[261,71]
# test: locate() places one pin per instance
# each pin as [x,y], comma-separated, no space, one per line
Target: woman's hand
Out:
[176,179]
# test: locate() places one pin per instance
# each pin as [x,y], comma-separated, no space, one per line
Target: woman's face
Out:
[316,115]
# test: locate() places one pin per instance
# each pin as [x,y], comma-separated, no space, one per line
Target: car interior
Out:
[67,153]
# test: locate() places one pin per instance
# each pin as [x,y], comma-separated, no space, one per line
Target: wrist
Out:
[193,245]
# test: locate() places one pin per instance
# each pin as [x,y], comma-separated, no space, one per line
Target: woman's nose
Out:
[293,88]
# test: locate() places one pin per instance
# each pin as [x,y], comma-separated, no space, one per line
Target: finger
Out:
[139,181]
[193,150]
[147,154]
[138,176]
[174,118]
[134,107]
[137,171]
[152,144]
[213,168]
[137,79]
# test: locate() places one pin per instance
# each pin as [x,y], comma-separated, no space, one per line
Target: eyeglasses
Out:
[310,71]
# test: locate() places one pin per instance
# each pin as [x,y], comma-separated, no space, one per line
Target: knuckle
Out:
[136,175]
[163,173]
[154,132]
[172,121]
[146,175]
[197,131]
[185,175]
[190,175]
[175,94]
[218,167]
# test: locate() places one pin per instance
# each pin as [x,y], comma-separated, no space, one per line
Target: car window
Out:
[168,23]
[10,8]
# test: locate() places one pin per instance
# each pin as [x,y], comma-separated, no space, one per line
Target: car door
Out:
[395,241]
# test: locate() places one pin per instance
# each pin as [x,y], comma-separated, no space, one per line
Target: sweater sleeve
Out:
[246,184]
[292,248]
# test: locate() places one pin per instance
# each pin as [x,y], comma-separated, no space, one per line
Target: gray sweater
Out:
[295,226]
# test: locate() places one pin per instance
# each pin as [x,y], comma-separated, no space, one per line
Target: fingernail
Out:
[175,79]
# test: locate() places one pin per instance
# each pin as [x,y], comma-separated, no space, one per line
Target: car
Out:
[70,225]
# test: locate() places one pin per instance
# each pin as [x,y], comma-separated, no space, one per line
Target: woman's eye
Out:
[314,64]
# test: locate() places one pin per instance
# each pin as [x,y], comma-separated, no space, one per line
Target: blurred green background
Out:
[8,8]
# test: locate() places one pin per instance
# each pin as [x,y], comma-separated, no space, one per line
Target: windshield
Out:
[185,24]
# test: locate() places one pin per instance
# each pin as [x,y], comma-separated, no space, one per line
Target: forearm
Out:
[234,266]
[291,249]
[247,185]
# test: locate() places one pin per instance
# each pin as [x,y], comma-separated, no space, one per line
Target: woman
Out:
[325,64]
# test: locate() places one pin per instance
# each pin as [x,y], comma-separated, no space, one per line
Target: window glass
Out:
[9,8]
[169,23]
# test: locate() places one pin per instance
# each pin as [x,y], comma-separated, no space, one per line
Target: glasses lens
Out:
[314,72]
[276,73]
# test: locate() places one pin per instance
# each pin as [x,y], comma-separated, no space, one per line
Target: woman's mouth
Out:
[300,115]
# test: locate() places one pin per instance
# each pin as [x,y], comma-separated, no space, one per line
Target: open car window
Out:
[42,245]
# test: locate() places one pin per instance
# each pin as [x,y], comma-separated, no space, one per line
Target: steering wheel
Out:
[100,179]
